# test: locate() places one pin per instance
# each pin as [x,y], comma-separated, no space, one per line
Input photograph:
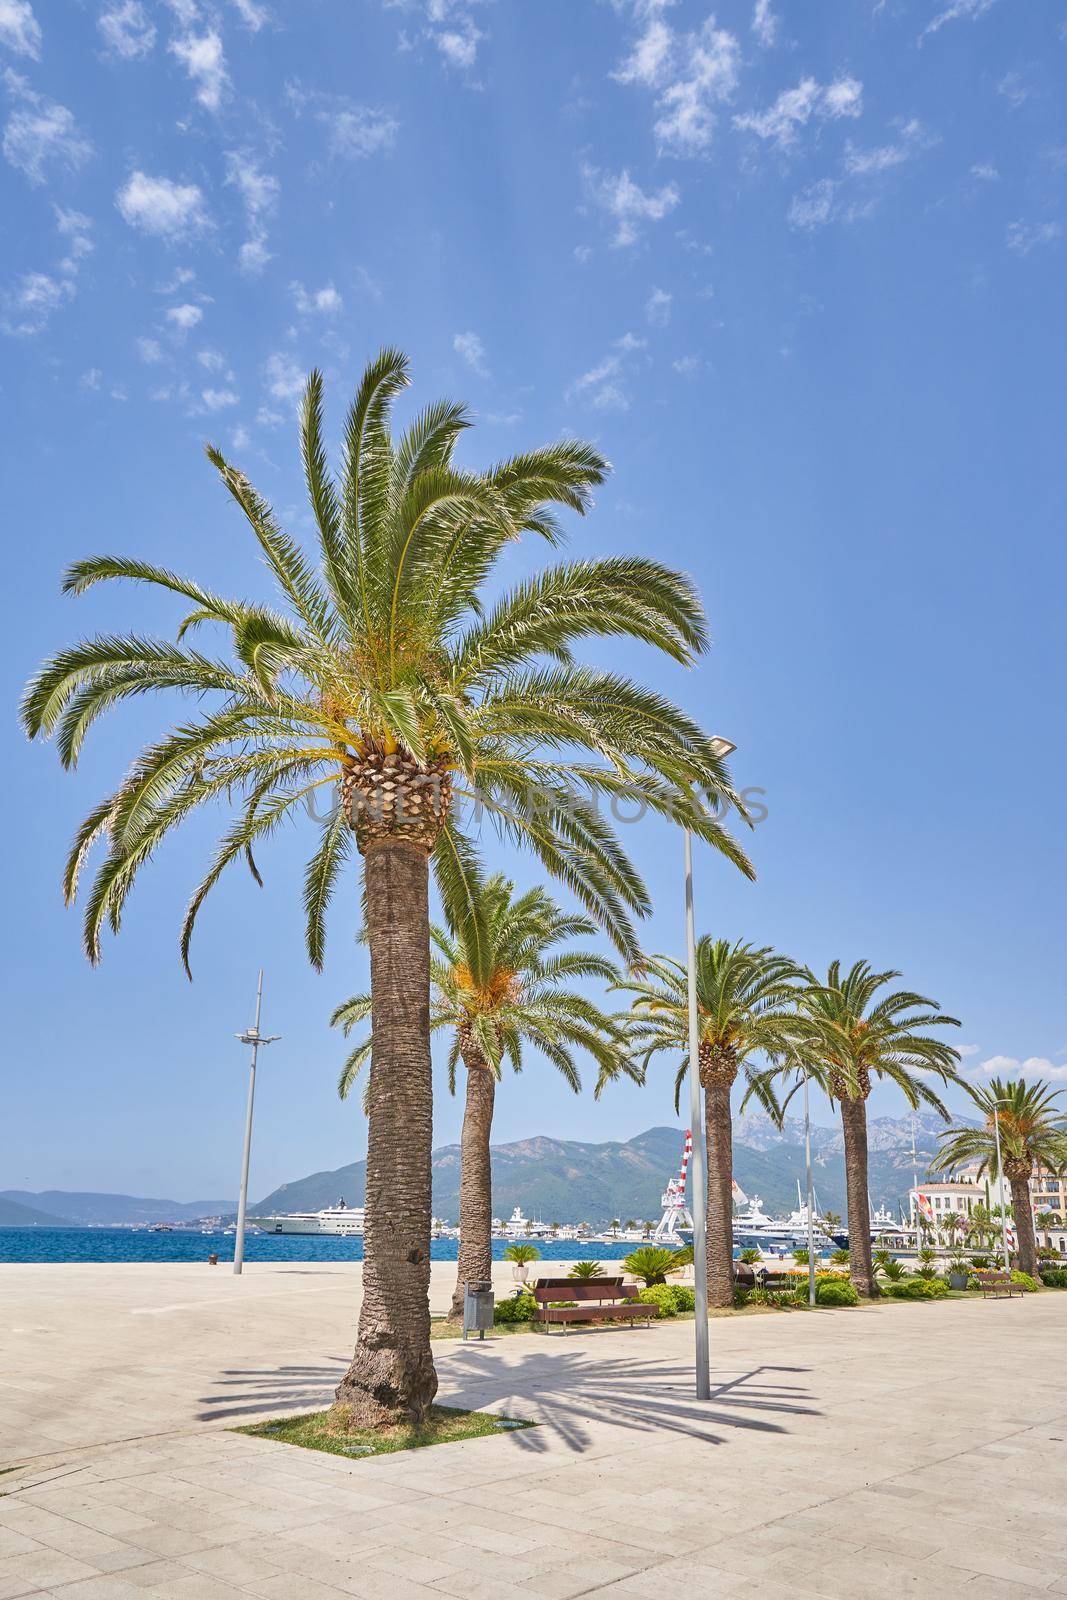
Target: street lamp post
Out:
[1000,1177]
[253,1037]
[722,747]
[811,1195]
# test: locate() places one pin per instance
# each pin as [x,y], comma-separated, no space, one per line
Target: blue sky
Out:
[797,270]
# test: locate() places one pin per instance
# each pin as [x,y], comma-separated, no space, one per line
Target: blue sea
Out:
[129,1244]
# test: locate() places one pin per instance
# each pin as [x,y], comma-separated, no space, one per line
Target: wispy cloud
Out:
[252,15]
[28,304]
[814,206]
[159,206]
[202,56]
[185,317]
[1014,88]
[469,347]
[353,132]
[259,195]
[690,73]
[765,24]
[325,301]
[284,378]
[40,134]
[985,172]
[658,308]
[1011,1067]
[780,124]
[957,11]
[150,351]
[1023,237]
[19,28]
[626,203]
[126,30]
[604,386]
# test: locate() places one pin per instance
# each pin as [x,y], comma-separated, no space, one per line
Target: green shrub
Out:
[684,1299]
[979,1263]
[523,1254]
[652,1263]
[1054,1277]
[835,1292]
[741,1296]
[662,1296]
[586,1269]
[1025,1282]
[917,1289]
[750,1257]
[839,1258]
[891,1270]
[927,1273]
[519,1308]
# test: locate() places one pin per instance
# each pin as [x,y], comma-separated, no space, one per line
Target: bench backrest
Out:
[993,1277]
[582,1289]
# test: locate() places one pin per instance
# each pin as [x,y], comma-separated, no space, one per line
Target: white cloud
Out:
[240,438]
[40,133]
[92,379]
[213,361]
[185,317]
[472,350]
[326,301]
[1008,1067]
[582,254]
[27,305]
[626,203]
[149,350]
[604,386]
[252,15]
[687,366]
[795,107]
[864,163]
[764,24]
[459,49]
[968,1050]
[19,28]
[958,10]
[814,206]
[218,399]
[1026,236]
[203,59]
[285,380]
[658,308]
[353,132]
[690,73]
[259,194]
[126,30]
[1014,88]
[171,211]
[985,172]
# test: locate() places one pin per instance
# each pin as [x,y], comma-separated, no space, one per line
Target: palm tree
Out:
[500,980]
[1033,1133]
[745,998]
[390,684]
[851,1034]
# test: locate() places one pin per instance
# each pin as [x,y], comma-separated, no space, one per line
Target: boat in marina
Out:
[339,1219]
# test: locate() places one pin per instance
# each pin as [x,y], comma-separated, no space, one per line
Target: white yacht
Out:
[341,1218]
[519,1227]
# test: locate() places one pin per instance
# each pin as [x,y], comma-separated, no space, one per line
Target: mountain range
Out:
[559,1180]
[565,1180]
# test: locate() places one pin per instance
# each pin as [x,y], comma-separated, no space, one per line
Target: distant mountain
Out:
[114,1210]
[13,1215]
[564,1180]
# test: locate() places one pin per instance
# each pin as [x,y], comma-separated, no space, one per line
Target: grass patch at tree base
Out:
[442,1425]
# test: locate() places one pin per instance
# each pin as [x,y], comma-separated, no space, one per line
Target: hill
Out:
[565,1180]
[15,1215]
[113,1210]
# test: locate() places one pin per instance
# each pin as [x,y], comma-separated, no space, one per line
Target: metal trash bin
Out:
[477,1306]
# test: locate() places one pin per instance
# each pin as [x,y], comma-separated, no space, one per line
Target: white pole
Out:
[1000,1178]
[700,1165]
[811,1196]
[253,1037]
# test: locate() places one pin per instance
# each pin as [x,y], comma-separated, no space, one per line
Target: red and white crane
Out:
[676,1214]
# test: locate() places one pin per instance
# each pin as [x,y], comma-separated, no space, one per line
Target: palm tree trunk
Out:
[1024,1225]
[719,1139]
[392,1375]
[475,1181]
[854,1128]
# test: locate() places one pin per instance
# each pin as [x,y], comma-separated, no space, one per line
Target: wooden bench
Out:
[596,1300]
[997,1284]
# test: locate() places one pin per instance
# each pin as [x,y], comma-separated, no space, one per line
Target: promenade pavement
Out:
[915,1450]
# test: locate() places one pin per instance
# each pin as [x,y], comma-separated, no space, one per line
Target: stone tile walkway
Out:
[915,1450]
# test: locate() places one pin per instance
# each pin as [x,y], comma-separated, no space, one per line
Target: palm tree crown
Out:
[745,1001]
[1033,1132]
[384,677]
[500,982]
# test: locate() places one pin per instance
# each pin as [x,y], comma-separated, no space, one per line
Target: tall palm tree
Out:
[745,999]
[500,981]
[1033,1133]
[851,1034]
[390,683]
